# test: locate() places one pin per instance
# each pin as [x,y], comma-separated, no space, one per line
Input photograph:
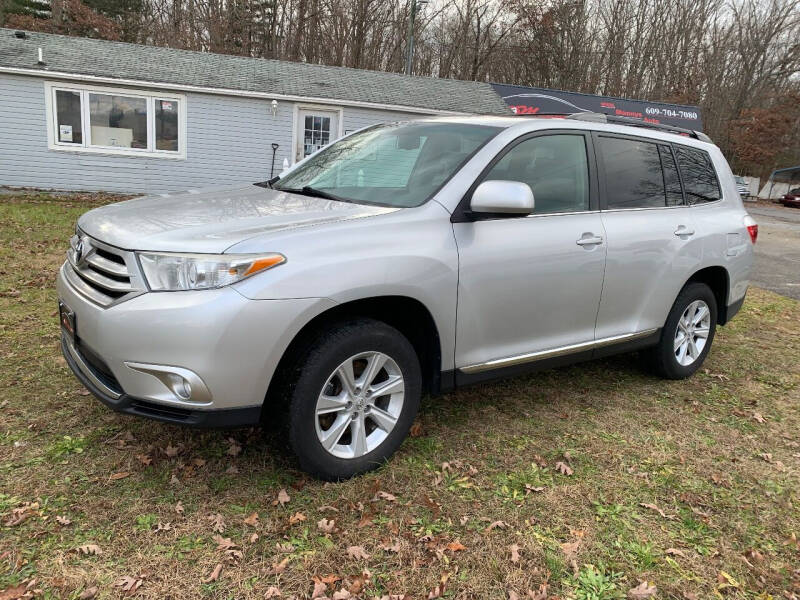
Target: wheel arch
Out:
[408,315]
[718,279]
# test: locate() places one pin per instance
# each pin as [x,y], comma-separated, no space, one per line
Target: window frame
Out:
[86,147]
[462,213]
[683,184]
[596,135]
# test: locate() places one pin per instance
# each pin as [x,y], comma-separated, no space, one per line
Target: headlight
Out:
[170,272]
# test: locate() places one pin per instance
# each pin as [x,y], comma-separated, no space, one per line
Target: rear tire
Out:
[354,395]
[687,334]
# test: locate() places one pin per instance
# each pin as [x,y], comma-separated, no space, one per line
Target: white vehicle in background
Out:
[741,186]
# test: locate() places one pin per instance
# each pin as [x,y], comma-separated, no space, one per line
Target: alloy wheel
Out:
[692,332]
[359,405]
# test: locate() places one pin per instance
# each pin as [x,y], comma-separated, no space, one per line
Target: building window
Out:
[113,121]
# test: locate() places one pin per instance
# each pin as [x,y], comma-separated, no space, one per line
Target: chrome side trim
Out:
[519,359]
[87,372]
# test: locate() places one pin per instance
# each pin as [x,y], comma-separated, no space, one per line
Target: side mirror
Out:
[513,197]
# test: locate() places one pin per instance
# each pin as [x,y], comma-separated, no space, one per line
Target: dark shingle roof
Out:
[120,60]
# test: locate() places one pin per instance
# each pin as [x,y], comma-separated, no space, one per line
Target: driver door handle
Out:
[591,240]
[683,230]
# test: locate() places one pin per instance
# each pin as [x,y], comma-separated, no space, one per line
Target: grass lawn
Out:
[581,482]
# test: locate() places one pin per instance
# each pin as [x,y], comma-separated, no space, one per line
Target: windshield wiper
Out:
[307,190]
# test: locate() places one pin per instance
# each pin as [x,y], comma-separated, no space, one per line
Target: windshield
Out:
[400,164]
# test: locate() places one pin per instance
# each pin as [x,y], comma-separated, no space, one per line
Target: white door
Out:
[315,129]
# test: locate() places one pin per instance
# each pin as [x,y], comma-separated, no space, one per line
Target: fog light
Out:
[180,386]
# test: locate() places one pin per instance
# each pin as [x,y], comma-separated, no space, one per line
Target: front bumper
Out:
[228,345]
[117,400]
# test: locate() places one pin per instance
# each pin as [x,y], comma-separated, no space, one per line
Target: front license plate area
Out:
[67,318]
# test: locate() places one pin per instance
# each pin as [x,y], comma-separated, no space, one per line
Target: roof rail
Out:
[595,117]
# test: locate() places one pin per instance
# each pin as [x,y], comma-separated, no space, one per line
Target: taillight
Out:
[752,228]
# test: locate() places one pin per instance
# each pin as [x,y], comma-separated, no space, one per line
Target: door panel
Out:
[526,285]
[532,284]
[646,266]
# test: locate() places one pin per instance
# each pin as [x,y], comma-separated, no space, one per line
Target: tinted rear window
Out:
[699,179]
[633,174]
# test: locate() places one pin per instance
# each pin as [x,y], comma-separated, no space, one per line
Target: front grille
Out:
[104,274]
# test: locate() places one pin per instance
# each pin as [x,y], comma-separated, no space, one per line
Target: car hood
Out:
[212,220]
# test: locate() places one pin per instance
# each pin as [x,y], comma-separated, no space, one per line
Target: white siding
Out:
[228,141]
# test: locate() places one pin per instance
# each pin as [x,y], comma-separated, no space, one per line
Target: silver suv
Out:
[405,259]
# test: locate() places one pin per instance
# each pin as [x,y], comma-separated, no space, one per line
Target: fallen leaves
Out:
[120,475]
[563,468]
[129,584]
[456,546]
[380,495]
[726,582]
[145,459]
[217,523]
[496,525]
[89,549]
[655,508]
[171,451]
[320,587]
[272,592]
[64,521]
[252,520]
[283,498]
[13,593]
[88,593]
[297,517]
[23,513]
[440,589]
[570,549]
[325,525]
[278,568]
[643,590]
[514,549]
[224,543]
[214,575]
[357,552]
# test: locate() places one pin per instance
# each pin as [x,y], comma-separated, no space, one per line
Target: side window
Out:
[633,174]
[556,168]
[672,182]
[699,179]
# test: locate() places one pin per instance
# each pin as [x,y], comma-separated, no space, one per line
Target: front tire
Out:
[687,334]
[355,394]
